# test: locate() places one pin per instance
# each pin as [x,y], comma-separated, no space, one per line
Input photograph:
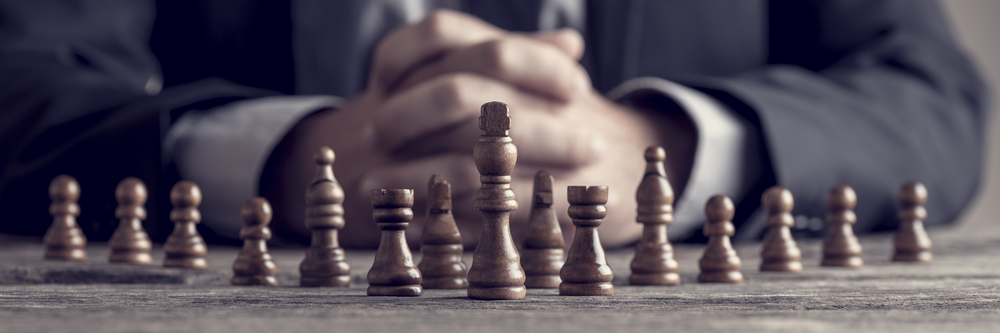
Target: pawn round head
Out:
[324,156]
[778,199]
[64,188]
[913,194]
[256,211]
[719,208]
[131,191]
[655,154]
[842,197]
[185,194]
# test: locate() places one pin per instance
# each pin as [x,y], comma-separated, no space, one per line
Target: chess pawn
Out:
[64,240]
[441,264]
[496,271]
[184,247]
[779,252]
[912,242]
[841,247]
[654,262]
[543,249]
[129,243]
[720,262]
[393,273]
[325,264]
[586,272]
[254,265]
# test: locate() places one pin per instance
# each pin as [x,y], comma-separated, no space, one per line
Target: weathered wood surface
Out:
[960,290]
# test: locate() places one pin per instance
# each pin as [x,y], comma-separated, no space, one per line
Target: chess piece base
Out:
[139,258]
[913,256]
[497,293]
[257,280]
[721,277]
[837,261]
[655,279]
[586,289]
[325,281]
[445,283]
[65,254]
[542,281]
[406,290]
[185,263]
[781,266]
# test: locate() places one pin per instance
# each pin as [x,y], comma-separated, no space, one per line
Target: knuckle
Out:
[438,22]
[452,91]
[498,56]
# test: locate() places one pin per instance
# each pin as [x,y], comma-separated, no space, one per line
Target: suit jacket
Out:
[870,93]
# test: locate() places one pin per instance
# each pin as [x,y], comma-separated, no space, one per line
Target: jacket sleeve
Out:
[80,94]
[871,94]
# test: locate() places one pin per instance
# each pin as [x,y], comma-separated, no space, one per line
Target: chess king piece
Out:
[130,243]
[254,265]
[441,266]
[393,273]
[496,271]
[841,247]
[654,262]
[184,247]
[586,272]
[64,240]
[912,242]
[543,248]
[719,263]
[325,264]
[779,252]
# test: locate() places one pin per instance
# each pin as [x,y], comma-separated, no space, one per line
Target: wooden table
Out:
[959,291]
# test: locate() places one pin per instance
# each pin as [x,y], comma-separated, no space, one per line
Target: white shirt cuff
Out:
[214,149]
[721,156]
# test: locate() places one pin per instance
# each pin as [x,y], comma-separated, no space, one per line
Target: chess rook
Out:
[64,240]
[393,273]
[912,243]
[779,252]
[325,264]
[254,265]
[586,271]
[496,271]
[542,251]
[654,262]
[441,246]
[841,247]
[184,247]
[719,263]
[130,243]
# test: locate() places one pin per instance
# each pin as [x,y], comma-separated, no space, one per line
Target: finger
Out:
[439,32]
[566,39]
[440,104]
[441,116]
[458,169]
[527,63]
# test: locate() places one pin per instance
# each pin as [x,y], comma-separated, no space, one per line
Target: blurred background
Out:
[977,26]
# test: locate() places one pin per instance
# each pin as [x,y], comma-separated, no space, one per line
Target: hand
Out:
[418,118]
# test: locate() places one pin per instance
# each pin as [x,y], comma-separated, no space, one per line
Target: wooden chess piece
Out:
[654,262]
[779,252]
[586,272]
[841,247]
[254,265]
[130,243]
[441,246]
[543,249]
[720,262]
[184,247]
[325,264]
[393,273]
[64,240]
[912,243]
[496,271]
